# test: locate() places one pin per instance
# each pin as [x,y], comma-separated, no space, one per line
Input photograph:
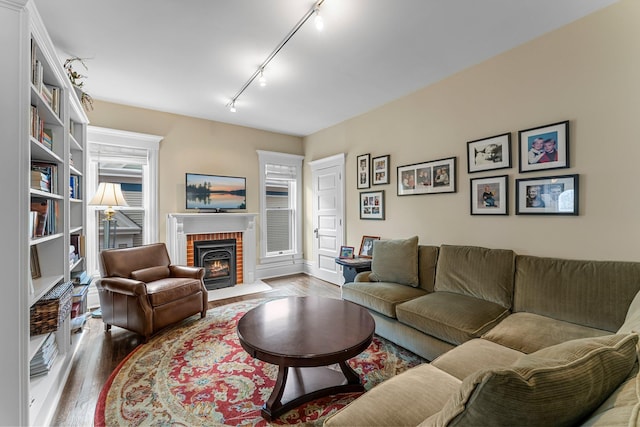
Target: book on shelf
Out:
[46,215]
[42,360]
[78,243]
[74,187]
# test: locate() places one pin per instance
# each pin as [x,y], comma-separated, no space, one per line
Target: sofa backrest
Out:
[478,272]
[123,261]
[590,293]
[427,260]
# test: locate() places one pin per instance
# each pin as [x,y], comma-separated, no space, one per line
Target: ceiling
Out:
[191,57]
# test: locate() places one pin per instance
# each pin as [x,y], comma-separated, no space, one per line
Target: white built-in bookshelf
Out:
[44,132]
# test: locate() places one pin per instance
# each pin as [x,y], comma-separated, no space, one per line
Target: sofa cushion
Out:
[558,385]
[473,355]
[478,272]
[395,261]
[451,317]
[590,293]
[404,400]
[382,297]
[528,332]
[427,262]
[150,274]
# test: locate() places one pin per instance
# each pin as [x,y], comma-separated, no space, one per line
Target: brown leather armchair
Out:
[140,290]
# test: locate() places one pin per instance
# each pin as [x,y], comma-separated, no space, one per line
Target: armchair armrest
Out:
[123,286]
[186,271]
[363,276]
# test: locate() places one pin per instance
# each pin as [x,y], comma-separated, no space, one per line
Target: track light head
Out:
[262,80]
[232,106]
[318,20]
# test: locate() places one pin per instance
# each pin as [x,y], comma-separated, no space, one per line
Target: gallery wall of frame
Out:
[541,148]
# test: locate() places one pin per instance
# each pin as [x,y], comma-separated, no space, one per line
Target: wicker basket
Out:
[50,311]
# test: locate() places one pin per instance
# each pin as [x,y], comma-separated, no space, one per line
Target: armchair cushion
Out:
[171,289]
[150,274]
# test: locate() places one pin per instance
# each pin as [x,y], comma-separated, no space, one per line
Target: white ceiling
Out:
[191,56]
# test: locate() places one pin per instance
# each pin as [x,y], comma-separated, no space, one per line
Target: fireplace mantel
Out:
[179,225]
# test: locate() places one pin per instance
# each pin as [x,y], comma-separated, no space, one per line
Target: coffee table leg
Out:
[351,375]
[275,400]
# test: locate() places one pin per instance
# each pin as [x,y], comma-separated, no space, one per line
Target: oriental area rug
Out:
[197,374]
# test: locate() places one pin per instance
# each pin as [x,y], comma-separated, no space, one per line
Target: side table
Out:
[353,266]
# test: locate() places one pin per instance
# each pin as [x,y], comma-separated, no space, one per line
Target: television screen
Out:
[215,192]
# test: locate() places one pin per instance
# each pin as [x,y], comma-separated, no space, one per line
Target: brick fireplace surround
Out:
[185,228]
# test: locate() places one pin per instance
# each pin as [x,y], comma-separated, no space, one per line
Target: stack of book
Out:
[74,187]
[43,359]
[44,176]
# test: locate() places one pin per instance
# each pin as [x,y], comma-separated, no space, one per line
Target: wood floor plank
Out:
[100,352]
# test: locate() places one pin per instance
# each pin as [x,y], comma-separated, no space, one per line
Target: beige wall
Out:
[587,72]
[195,145]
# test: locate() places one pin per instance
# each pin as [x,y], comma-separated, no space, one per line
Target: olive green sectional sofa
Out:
[512,339]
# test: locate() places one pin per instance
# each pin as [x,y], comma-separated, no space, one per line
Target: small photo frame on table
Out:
[366,246]
[545,147]
[380,174]
[490,196]
[364,168]
[553,195]
[438,176]
[489,153]
[372,204]
[346,252]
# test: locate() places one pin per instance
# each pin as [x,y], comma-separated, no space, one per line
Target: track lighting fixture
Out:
[259,73]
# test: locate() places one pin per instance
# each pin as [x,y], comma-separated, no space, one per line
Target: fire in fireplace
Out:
[218,257]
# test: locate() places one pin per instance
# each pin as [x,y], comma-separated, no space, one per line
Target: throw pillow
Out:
[558,385]
[395,261]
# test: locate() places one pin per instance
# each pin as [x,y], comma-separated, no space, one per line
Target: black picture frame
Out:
[372,204]
[549,195]
[490,195]
[363,166]
[536,145]
[436,176]
[380,170]
[489,153]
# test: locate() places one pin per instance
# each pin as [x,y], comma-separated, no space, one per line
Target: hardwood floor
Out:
[100,353]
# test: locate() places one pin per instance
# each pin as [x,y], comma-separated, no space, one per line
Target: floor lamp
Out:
[109,194]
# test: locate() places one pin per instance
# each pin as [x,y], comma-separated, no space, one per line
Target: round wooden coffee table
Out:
[302,335]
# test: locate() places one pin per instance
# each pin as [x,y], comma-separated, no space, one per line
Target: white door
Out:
[328,216]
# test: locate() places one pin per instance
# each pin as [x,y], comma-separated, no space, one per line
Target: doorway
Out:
[328,216]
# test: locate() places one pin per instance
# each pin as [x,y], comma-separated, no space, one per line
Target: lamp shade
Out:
[108,194]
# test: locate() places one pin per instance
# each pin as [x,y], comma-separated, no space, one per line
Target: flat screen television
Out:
[216,193]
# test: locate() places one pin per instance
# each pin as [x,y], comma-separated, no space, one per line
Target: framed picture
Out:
[380,170]
[366,246]
[346,251]
[553,195]
[372,204]
[35,263]
[489,153]
[363,170]
[490,196]
[438,176]
[545,147]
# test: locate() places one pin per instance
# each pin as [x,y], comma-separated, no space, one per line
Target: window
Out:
[280,205]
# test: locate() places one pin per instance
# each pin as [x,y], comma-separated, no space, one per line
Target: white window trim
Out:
[151,143]
[293,160]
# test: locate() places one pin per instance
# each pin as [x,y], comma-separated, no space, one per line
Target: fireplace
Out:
[218,257]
